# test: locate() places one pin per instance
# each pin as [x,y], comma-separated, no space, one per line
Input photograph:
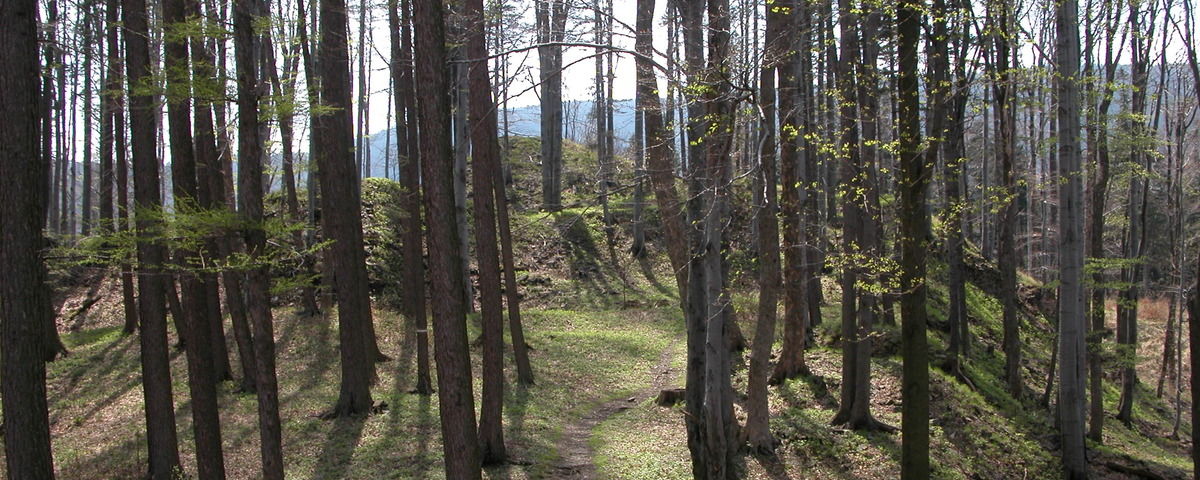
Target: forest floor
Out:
[606,336]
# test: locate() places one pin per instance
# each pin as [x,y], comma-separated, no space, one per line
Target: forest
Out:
[592,239]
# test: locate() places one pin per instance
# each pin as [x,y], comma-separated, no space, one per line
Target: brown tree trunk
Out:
[338,178]
[795,314]
[485,157]
[456,402]
[210,461]
[757,431]
[406,145]
[551,16]
[249,56]
[913,184]
[156,372]
[26,306]
[658,148]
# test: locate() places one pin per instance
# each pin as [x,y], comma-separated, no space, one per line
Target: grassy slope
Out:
[597,321]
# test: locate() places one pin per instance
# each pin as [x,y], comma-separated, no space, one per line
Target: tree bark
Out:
[342,219]
[206,423]
[551,16]
[485,156]
[1072,323]
[26,300]
[456,402]
[914,241]
[161,436]
[249,57]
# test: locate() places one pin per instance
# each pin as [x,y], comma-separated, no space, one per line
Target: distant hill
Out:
[524,121]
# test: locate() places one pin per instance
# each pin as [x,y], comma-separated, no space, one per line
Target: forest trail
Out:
[577,458]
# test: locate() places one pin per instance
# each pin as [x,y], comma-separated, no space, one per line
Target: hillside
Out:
[606,336]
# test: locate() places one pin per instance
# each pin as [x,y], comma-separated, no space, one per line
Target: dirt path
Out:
[577,455]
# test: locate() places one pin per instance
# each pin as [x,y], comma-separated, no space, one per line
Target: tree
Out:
[1004,108]
[783,48]
[721,425]
[551,18]
[156,372]
[249,53]
[1072,300]
[485,155]
[456,402]
[406,147]
[24,296]
[658,147]
[757,430]
[1098,190]
[337,174]
[210,461]
[858,306]
[914,243]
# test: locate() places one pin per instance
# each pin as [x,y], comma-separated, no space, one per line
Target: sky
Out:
[578,76]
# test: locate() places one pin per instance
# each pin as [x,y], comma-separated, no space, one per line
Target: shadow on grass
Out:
[648,273]
[338,452]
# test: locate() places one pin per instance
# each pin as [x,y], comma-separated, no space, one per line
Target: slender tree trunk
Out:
[286,94]
[89,40]
[551,18]
[208,178]
[1004,107]
[485,148]
[406,144]
[210,460]
[250,52]
[456,402]
[26,306]
[785,56]
[721,429]
[156,372]
[1072,323]
[658,148]
[696,306]
[339,194]
[758,431]
[914,241]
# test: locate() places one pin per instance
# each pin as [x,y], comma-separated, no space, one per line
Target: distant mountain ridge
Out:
[578,126]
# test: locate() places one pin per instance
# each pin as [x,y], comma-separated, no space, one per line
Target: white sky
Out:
[578,79]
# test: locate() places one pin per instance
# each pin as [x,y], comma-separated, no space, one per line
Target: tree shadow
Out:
[774,466]
[337,454]
[323,359]
[648,272]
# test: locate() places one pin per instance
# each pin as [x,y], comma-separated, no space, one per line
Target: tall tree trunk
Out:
[250,52]
[913,184]
[658,148]
[1004,107]
[1098,190]
[285,92]
[409,161]
[339,194]
[696,306]
[781,21]
[89,40]
[208,184]
[456,402]
[720,442]
[1127,305]
[1072,323]
[758,431]
[551,16]
[161,437]
[206,423]
[26,305]
[485,156]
